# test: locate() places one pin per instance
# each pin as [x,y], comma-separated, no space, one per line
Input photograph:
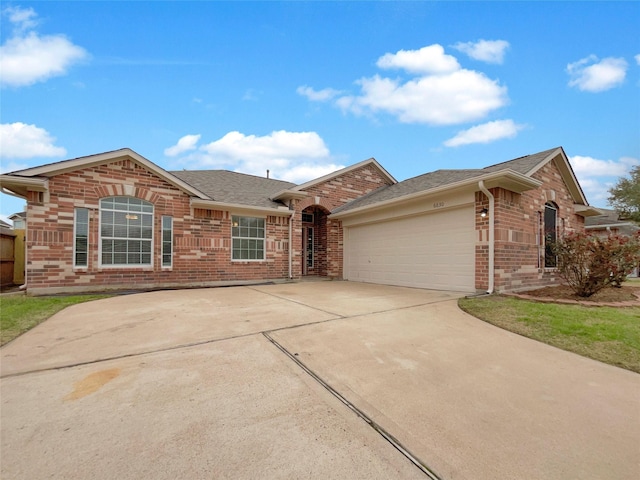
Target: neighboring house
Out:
[116,220]
[19,220]
[610,223]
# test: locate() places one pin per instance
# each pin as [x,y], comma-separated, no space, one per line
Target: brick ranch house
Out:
[118,221]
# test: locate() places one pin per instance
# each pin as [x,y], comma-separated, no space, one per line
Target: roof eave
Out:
[288,194]
[586,210]
[241,208]
[19,186]
[507,179]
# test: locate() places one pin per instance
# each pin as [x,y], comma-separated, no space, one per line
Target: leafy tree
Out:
[625,195]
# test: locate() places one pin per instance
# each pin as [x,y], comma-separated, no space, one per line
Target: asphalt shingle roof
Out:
[233,187]
[440,178]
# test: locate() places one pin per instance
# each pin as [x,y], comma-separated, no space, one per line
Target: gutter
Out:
[492,233]
[282,211]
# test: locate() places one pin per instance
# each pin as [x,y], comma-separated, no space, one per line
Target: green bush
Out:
[589,263]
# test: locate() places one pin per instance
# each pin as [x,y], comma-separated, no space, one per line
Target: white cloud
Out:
[449,99]
[430,59]
[440,92]
[591,75]
[490,51]
[12,166]
[593,167]
[27,57]
[292,156]
[597,176]
[637,57]
[305,172]
[21,18]
[485,133]
[185,144]
[317,95]
[20,140]
[251,94]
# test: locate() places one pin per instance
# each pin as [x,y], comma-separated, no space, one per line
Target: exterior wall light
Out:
[484,212]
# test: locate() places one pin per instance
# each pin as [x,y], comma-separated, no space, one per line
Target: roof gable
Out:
[530,164]
[65,166]
[371,161]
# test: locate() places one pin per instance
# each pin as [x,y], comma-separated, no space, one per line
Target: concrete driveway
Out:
[306,380]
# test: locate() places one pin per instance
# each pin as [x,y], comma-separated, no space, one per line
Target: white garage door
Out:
[435,251]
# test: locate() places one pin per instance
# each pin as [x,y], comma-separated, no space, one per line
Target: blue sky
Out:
[304,88]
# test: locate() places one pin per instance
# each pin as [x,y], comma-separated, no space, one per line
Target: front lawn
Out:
[19,313]
[607,334]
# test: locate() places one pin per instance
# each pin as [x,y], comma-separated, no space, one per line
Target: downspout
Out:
[484,190]
[26,252]
[291,243]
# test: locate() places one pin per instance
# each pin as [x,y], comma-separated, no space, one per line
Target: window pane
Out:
[248,238]
[81,240]
[126,229]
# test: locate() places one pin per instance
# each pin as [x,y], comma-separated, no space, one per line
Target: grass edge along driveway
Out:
[20,313]
[607,334]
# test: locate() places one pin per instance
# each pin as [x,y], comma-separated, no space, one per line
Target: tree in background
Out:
[625,196]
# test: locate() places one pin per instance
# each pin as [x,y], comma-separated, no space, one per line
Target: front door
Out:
[309,251]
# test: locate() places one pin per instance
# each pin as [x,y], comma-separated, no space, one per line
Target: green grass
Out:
[607,334]
[19,313]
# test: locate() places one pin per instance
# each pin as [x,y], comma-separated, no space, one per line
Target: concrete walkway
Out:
[188,384]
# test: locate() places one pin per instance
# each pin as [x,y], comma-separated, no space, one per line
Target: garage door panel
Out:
[435,250]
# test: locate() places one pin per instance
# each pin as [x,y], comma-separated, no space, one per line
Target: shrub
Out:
[625,253]
[589,263]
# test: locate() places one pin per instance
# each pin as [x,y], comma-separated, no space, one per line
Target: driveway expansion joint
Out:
[363,416]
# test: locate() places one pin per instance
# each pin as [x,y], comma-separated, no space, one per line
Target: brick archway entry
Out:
[314,241]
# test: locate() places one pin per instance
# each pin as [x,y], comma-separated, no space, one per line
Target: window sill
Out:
[127,267]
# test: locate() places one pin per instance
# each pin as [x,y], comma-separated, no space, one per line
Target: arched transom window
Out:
[126,231]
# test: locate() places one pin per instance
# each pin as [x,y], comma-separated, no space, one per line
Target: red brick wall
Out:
[519,247]
[202,238]
[329,195]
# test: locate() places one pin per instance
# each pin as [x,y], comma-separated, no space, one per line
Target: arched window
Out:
[126,231]
[550,234]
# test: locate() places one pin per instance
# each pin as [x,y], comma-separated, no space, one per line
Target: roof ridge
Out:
[521,157]
[231,171]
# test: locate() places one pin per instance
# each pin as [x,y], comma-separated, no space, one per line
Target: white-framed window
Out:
[550,234]
[126,232]
[81,238]
[167,242]
[247,237]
